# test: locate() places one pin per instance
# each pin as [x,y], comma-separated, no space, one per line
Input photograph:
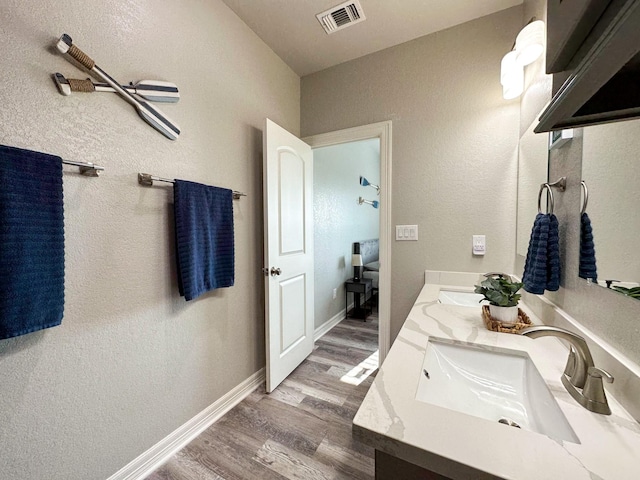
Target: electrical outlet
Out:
[335,293]
[479,245]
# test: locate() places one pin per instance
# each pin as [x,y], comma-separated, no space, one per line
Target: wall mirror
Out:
[611,172]
[533,161]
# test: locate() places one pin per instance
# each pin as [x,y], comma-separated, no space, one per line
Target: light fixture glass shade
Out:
[514,87]
[530,43]
[511,76]
[509,92]
[508,66]
[356,260]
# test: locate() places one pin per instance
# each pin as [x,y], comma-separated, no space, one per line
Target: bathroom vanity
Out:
[419,433]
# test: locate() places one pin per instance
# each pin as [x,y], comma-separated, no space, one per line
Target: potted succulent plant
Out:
[503,297]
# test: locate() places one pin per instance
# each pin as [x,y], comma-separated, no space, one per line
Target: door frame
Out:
[382,131]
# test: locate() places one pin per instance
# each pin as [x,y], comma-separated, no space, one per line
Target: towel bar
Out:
[86,168]
[147,180]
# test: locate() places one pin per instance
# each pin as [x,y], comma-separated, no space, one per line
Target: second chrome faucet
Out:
[581,378]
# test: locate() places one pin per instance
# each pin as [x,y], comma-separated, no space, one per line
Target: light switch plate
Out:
[407,232]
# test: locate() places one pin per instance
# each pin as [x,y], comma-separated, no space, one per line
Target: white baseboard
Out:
[153,458]
[328,325]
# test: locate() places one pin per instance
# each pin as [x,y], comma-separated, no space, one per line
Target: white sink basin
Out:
[493,383]
[466,299]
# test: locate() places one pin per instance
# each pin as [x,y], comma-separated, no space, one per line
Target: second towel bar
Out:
[147,180]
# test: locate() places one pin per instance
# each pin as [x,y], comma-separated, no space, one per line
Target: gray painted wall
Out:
[454,144]
[132,361]
[339,220]
[536,95]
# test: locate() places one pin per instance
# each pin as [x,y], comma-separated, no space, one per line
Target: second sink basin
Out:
[466,299]
[496,384]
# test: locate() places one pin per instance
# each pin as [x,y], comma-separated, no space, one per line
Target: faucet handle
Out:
[593,390]
[599,373]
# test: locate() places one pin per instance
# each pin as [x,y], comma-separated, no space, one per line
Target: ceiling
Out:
[292,31]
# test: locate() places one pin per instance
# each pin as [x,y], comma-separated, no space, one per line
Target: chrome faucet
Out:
[581,378]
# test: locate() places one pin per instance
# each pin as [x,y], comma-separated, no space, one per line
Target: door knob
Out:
[275,271]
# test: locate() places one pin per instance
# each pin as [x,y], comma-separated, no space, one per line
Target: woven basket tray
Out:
[497,326]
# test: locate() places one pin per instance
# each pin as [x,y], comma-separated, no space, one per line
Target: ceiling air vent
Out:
[341,16]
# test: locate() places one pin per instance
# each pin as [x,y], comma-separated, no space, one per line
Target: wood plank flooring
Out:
[302,430]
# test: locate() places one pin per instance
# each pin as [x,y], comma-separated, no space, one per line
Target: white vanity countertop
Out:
[461,446]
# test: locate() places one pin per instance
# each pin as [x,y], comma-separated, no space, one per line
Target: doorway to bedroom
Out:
[352,173]
[346,201]
[346,218]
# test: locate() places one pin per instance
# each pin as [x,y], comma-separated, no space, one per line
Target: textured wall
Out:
[454,144]
[533,154]
[533,148]
[132,360]
[339,220]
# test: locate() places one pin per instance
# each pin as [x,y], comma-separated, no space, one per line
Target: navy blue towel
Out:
[542,266]
[31,241]
[204,237]
[587,267]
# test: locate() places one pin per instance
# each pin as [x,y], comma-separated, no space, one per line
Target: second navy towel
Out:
[542,266]
[204,237]
[587,267]
[31,241]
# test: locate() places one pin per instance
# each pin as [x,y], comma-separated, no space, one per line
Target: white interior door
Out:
[288,217]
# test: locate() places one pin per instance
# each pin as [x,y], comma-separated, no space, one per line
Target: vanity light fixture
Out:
[527,48]
[365,183]
[530,42]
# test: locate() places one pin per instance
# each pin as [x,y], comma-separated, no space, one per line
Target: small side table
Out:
[358,287]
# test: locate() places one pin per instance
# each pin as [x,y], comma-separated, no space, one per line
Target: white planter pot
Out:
[504,314]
